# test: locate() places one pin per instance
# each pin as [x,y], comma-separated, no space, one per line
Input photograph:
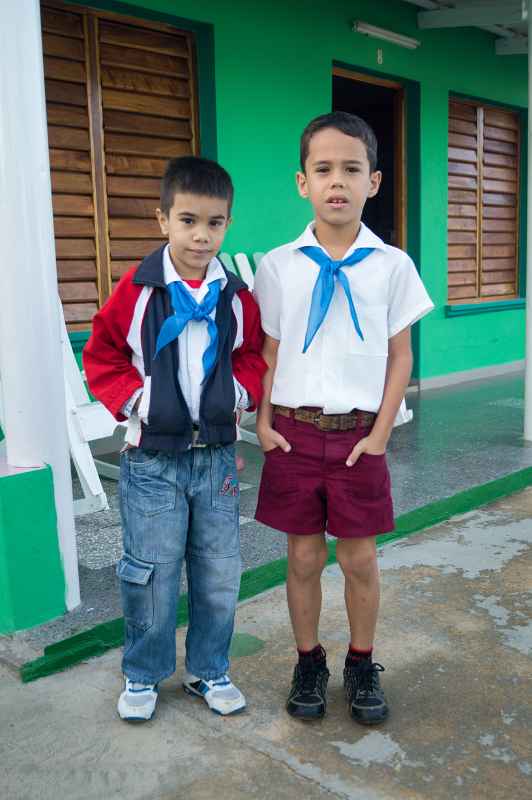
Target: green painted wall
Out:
[272,68]
[32,584]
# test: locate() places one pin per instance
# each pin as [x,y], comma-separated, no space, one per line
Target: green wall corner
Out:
[32,583]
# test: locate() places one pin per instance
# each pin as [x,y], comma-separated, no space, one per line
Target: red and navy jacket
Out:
[119,359]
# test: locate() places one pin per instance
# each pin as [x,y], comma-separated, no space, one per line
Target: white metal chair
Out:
[227,261]
[88,422]
[257,258]
[245,271]
[93,430]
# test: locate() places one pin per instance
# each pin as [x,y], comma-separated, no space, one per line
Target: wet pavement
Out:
[461,436]
[455,636]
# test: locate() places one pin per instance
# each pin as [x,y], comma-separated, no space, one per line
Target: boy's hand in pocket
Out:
[270,439]
[366,445]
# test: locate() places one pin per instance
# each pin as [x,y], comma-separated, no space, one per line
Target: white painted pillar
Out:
[31,367]
[528,363]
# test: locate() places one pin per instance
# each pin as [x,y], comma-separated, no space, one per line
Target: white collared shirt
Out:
[194,339]
[339,371]
[192,343]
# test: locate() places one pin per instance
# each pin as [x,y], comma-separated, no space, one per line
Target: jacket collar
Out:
[150,271]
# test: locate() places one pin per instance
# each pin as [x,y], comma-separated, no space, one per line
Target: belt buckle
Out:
[195,440]
[319,421]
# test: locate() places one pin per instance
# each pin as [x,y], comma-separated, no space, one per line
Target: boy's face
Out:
[195,227]
[337,178]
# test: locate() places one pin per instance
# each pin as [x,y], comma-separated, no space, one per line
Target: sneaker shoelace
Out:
[223,681]
[138,688]
[307,682]
[364,678]
[307,679]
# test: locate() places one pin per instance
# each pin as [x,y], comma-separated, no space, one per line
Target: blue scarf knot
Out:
[323,291]
[186,308]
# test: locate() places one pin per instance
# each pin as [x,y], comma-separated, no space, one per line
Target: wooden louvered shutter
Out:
[120,102]
[500,188]
[64,49]
[483,198]
[148,113]
[463,222]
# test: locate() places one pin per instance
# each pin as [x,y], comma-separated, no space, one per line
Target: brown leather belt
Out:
[328,422]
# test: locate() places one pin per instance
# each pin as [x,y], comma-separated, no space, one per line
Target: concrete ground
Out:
[461,436]
[455,636]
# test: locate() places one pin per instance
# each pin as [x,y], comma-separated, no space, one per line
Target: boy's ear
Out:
[229,222]
[375,179]
[162,219]
[302,186]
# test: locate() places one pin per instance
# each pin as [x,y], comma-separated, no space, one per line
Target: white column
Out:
[31,368]
[528,367]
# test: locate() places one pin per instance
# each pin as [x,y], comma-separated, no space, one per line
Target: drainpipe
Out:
[31,364]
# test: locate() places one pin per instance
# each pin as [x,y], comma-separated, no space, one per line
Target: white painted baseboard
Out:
[467,375]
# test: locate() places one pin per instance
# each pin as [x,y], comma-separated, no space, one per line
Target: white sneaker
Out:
[221,695]
[137,701]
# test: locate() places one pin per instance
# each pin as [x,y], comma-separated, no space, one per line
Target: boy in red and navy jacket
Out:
[177,351]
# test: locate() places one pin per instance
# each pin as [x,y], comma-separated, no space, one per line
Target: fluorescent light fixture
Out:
[388,36]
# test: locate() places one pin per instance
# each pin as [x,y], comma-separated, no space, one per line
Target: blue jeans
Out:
[176,507]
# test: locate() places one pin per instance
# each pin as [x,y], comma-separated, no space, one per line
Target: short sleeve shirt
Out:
[339,371]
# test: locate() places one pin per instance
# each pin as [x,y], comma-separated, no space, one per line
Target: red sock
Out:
[317,654]
[354,655]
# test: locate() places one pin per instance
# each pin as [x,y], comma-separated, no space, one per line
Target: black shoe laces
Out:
[364,678]
[307,680]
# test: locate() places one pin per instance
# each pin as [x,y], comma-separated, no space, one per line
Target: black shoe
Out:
[363,691]
[308,695]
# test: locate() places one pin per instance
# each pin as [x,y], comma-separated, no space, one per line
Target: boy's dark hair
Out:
[349,124]
[194,175]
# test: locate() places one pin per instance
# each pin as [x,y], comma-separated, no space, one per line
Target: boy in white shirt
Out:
[336,306]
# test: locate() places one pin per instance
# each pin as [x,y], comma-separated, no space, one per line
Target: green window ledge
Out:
[484,308]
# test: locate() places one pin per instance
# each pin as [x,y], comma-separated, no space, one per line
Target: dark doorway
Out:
[380,103]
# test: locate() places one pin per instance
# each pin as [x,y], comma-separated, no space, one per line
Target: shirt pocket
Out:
[373,321]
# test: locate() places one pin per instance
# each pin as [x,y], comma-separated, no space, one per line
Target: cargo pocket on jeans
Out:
[136,585]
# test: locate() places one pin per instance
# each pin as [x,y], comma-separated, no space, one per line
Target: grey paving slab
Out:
[454,636]
[460,437]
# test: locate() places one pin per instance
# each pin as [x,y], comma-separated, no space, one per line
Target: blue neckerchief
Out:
[324,287]
[186,308]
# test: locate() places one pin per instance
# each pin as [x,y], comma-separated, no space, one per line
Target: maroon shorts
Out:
[310,489]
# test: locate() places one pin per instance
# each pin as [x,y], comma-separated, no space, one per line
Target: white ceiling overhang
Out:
[507,19]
